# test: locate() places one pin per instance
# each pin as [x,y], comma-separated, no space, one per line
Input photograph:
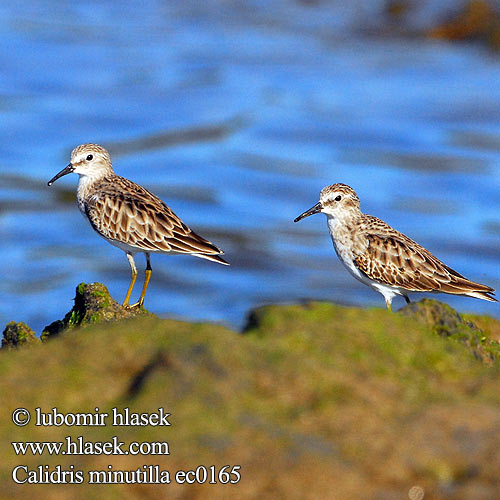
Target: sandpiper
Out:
[129,216]
[383,258]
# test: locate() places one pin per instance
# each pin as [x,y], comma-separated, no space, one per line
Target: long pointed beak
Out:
[313,210]
[65,171]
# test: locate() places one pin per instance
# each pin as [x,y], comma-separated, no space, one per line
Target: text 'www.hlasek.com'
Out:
[79,445]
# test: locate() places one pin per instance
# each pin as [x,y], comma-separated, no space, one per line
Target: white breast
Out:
[84,183]
[343,247]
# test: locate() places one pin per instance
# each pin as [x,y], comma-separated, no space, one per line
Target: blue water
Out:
[237,114]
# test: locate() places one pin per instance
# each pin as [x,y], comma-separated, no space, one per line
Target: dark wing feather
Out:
[126,212]
[396,260]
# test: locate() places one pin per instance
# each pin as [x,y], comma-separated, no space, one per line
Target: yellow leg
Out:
[388,304]
[130,258]
[144,288]
[146,282]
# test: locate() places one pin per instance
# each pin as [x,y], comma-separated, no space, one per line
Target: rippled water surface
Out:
[237,114]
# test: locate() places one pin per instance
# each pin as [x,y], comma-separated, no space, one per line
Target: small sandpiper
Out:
[383,258]
[129,216]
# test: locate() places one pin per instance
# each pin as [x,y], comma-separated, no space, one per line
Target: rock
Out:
[446,322]
[441,317]
[93,304]
[17,334]
[380,399]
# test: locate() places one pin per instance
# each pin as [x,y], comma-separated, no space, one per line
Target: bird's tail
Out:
[481,295]
[463,286]
[214,258]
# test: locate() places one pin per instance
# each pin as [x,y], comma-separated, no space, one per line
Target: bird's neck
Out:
[86,185]
[338,226]
[342,231]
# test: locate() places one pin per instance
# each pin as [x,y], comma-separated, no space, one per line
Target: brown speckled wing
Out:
[125,212]
[394,259]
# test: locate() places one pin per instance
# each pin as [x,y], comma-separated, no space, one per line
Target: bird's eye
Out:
[338,198]
[90,157]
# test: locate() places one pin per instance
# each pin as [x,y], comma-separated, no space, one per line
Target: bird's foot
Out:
[137,305]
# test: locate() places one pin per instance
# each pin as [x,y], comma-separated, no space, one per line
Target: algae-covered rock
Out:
[445,321]
[316,400]
[93,304]
[17,334]
[443,318]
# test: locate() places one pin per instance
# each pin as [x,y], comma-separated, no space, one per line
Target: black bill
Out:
[313,210]
[65,171]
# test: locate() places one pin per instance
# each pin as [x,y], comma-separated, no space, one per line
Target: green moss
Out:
[384,399]
[74,318]
[446,322]
[93,304]
[95,318]
[18,334]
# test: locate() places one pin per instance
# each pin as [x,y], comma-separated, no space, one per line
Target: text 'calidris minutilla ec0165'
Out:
[129,216]
[383,258]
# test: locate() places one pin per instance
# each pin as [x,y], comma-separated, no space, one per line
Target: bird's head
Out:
[90,160]
[337,200]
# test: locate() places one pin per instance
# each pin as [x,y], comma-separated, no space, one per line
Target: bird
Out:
[129,216]
[383,258]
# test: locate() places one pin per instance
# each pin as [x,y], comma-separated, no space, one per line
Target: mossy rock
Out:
[18,334]
[93,304]
[429,314]
[383,400]
[446,322]
[441,317]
